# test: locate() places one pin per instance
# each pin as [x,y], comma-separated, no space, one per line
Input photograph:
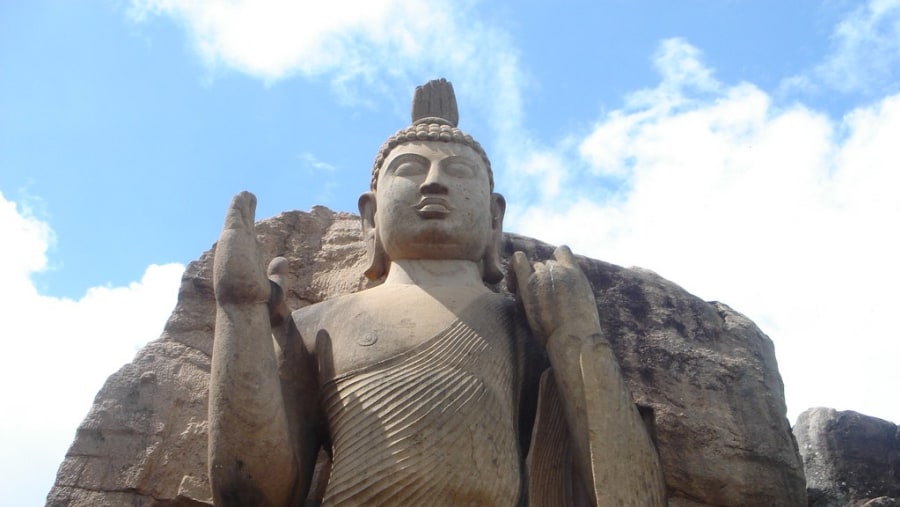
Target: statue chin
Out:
[435,243]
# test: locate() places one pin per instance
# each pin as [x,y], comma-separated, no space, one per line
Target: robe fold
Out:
[434,425]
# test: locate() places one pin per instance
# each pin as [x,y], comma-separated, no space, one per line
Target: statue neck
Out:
[430,273]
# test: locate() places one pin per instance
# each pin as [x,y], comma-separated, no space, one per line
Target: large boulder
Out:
[704,376]
[850,458]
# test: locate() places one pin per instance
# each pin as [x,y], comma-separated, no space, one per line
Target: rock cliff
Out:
[850,458]
[704,375]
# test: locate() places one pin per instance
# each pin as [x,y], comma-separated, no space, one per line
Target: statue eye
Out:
[460,169]
[410,168]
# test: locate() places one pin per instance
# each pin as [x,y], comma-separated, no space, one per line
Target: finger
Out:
[233,217]
[564,256]
[241,211]
[248,207]
[521,270]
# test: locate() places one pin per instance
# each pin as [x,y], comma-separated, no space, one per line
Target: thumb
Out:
[521,271]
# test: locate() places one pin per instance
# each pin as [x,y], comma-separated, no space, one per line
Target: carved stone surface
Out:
[428,387]
[850,458]
[705,374]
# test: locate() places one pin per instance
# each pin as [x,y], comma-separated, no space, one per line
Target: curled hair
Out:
[438,131]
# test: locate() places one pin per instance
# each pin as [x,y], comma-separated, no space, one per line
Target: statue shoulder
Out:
[310,319]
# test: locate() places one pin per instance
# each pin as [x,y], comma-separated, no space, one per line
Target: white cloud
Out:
[311,161]
[31,237]
[681,66]
[865,53]
[363,47]
[57,352]
[273,38]
[782,212]
[370,51]
[545,171]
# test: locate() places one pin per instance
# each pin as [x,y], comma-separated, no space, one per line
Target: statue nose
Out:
[433,183]
[433,187]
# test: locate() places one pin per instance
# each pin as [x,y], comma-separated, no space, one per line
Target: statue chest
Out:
[379,330]
[424,385]
[434,411]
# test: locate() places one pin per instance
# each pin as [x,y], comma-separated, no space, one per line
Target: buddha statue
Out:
[429,388]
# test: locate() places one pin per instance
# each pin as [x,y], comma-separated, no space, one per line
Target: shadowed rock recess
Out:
[704,376]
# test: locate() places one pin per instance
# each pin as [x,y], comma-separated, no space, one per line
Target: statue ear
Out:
[377,259]
[491,272]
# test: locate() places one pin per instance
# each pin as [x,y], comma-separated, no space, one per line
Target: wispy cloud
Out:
[372,51]
[58,352]
[864,56]
[28,239]
[311,161]
[781,212]
[375,49]
[272,39]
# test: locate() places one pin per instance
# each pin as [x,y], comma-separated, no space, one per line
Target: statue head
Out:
[431,194]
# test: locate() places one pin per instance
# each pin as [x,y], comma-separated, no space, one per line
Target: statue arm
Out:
[614,457]
[251,457]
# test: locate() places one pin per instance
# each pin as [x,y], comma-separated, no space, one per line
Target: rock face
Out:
[850,458]
[704,376]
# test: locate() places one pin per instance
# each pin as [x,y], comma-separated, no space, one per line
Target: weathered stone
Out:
[881,501]
[428,386]
[145,432]
[849,458]
[706,374]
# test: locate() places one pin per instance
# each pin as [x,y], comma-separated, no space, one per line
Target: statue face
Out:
[433,202]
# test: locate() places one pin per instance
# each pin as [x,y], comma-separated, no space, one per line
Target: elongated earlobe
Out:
[377,260]
[491,272]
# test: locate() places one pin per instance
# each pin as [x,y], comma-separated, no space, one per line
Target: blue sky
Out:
[743,149]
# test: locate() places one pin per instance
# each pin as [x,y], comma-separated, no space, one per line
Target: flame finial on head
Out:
[435,102]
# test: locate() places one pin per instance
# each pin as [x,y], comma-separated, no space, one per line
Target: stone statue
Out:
[428,389]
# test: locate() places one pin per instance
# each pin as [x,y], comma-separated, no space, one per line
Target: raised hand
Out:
[556,295]
[613,455]
[239,275]
[245,398]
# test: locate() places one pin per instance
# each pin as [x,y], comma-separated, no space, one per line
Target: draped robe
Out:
[451,420]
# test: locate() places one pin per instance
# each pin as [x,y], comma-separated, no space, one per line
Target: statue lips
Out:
[433,207]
